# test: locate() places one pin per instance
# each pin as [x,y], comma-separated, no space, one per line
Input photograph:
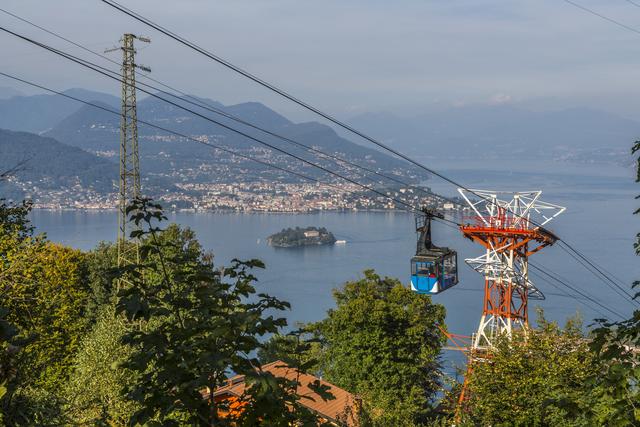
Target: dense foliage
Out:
[382,342]
[193,326]
[523,375]
[44,298]
[93,393]
[74,351]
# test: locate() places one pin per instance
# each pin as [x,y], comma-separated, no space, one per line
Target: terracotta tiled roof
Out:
[343,407]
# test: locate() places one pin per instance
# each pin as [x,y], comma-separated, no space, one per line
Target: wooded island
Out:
[295,237]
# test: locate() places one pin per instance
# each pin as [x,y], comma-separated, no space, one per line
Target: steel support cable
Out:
[306,105]
[588,265]
[232,152]
[81,62]
[566,284]
[207,106]
[633,3]
[600,270]
[279,91]
[581,300]
[89,65]
[555,277]
[606,18]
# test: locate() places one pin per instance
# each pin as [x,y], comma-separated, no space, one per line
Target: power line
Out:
[633,3]
[95,68]
[601,16]
[207,106]
[84,63]
[576,290]
[317,111]
[232,152]
[580,258]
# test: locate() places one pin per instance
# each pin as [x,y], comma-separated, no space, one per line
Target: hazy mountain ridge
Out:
[504,130]
[38,113]
[98,131]
[49,165]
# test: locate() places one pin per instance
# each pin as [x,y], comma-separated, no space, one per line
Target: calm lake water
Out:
[598,221]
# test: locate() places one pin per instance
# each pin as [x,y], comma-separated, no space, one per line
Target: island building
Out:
[312,233]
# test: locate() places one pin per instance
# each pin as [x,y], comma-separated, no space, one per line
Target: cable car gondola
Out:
[433,269]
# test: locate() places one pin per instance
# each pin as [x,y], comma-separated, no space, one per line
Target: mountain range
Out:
[502,130]
[73,144]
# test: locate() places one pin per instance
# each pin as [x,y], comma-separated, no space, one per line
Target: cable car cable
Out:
[606,18]
[88,64]
[305,105]
[202,104]
[581,300]
[617,288]
[232,152]
[564,283]
[557,278]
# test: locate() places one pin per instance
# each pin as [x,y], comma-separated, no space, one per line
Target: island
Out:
[295,237]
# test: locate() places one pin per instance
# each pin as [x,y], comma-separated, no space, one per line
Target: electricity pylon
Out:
[128,252]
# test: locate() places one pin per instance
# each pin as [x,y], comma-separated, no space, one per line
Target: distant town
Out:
[246,197]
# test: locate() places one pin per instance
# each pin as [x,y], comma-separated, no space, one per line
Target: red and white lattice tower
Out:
[510,226]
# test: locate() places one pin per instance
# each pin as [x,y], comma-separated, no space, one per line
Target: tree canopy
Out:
[382,342]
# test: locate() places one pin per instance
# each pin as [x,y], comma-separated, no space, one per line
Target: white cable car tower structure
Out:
[510,227]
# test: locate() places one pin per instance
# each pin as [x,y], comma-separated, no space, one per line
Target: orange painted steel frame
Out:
[503,299]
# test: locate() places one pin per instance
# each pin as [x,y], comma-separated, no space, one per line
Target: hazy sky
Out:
[354,56]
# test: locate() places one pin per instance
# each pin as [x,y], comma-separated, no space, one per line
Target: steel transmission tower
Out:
[128,253]
[503,226]
[510,227]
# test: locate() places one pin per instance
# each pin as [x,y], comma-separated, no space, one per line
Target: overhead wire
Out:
[309,107]
[89,65]
[575,289]
[633,3]
[207,106]
[161,128]
[601,16]
[588,265]
[84,63]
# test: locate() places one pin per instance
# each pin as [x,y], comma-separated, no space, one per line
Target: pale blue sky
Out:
[353,56]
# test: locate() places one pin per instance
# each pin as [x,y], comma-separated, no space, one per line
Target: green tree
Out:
[44,297]
[94,390]
[382,342]
[196,325]
[525,373]
[101,269]
[617,378]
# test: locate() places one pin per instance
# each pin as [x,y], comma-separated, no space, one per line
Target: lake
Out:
[598,221]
